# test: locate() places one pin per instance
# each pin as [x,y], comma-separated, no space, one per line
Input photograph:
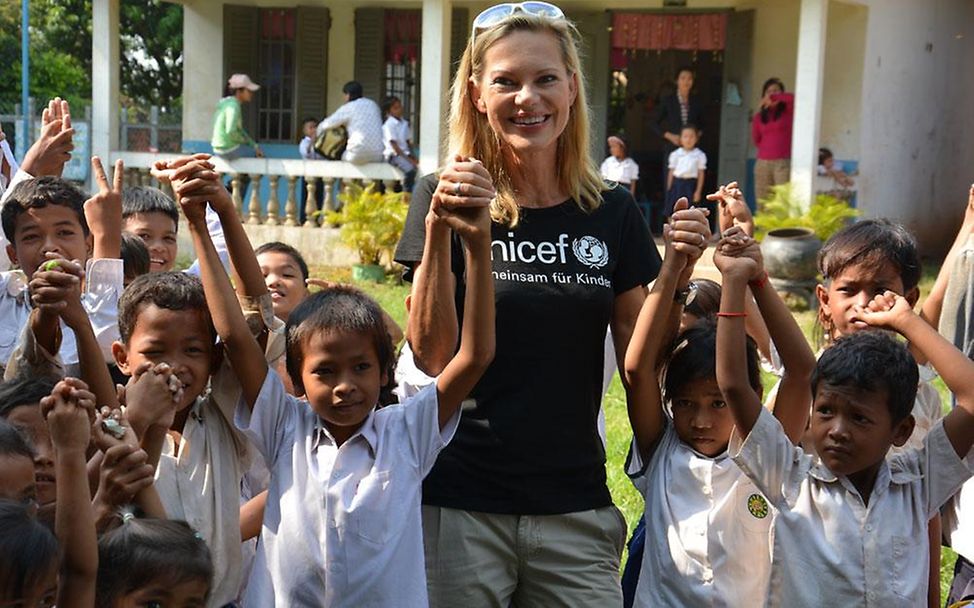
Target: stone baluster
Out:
[273,204]
[254,216]
[328,203]
[310,205]
[237,195]
[290,205]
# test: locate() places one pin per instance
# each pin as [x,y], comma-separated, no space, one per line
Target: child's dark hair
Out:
[823,155]
[169,290]
[13,442]
[706,299]
[135,256]
[387,104]
[308,119]
[779,108]
[353,89]
[38,193]
[23,391]
[28,550]
[869,243]
[279,247]
[694,357]
[871,361]
[145,199]
[144,551]
[345,309]
[692,127]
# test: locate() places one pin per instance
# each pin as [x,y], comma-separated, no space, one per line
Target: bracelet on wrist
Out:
[759,282]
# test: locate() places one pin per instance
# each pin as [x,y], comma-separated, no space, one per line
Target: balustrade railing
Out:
[257,187]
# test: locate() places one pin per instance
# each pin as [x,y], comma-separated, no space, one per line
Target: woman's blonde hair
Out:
[471,135]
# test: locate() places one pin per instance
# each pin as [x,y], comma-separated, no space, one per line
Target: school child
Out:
[306,147]
[397,138]
[687,166]
[851,525]
[163,318]
[28,557]
[20,407]
[152,216]
[709,524]
[618,167]
[828,167]
[153,562]
[48,219]
[342,524]
[16,466]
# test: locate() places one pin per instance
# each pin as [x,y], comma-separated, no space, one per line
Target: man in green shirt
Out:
[230,140]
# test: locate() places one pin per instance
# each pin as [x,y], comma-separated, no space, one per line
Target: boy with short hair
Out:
[49,222]
[851,525]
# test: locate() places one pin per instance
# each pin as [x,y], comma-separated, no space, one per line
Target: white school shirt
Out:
[363,120]
[707,527]
[399,131]
[104,282]
[829,548]
[687,165]
[342,525]
[624,171]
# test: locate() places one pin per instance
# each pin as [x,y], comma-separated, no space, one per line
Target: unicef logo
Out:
[591,251]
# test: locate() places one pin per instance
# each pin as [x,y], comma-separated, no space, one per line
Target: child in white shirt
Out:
[618,167]
[687,166]
[397,138]
[851,524]
[342,526]
[708,524]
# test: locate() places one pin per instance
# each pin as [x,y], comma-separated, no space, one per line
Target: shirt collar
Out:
[367,432]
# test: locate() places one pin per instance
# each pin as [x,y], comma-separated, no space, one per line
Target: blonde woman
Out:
[517,511]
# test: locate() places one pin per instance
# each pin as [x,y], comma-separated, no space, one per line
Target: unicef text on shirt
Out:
[588,250]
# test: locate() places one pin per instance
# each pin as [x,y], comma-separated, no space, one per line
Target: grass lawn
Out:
[391,295]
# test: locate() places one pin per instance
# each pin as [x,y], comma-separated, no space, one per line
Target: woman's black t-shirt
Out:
[528,440]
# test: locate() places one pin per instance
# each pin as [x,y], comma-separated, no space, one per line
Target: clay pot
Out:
[790,254]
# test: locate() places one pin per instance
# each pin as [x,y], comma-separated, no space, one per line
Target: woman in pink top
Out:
[771,132]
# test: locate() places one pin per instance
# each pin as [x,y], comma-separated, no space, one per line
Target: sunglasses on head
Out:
[499,12]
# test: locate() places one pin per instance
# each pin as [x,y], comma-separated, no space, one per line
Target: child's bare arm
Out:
[103,211]
[477,333]
[657,323]
[69,411]
[933,304]
[252,516]
[892,311]
[246,356]
[732,373]
[669,180]
[698,191]
[793,401]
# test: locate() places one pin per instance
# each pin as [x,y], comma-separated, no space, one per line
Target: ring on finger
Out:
[456,189]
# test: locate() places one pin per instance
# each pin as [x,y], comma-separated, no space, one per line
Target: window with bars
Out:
[276,76]
[401,76]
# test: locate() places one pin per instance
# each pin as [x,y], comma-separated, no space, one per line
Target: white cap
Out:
[242,81]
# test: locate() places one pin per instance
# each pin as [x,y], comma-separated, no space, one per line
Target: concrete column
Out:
[809,76]
[104,78]
[202,71]
[434,105]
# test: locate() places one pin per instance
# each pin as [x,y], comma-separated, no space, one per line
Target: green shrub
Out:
[371,222]
[782,209]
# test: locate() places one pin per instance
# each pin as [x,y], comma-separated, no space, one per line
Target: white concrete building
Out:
[886,84]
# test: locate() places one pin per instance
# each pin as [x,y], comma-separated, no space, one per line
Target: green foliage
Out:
[783,209]
[151,34]
[371,222]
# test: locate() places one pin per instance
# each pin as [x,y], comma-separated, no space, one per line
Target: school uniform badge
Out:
[757,506]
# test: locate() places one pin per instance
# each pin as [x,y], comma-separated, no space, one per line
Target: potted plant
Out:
[371,224]
[792,234]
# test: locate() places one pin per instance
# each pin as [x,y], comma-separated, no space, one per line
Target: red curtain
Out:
[402,30]
[656,32]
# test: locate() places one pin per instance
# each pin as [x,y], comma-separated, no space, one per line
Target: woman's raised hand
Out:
[464,182]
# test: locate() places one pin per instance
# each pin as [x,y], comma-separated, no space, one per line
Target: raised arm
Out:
[240,347]
[69,411]
[933,305]
[432,325]
[655,327]
[53,149]
[477,339]
[892,311]
[103,211]
[732,373]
